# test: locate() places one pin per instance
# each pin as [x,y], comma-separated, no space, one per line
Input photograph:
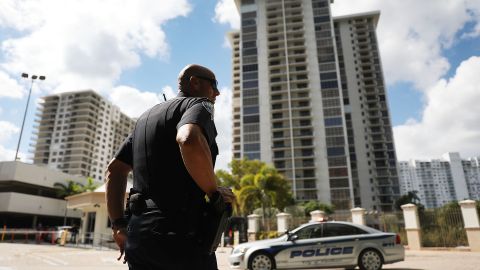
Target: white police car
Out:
[321,245]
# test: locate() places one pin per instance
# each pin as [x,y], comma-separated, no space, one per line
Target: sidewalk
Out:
[18,256]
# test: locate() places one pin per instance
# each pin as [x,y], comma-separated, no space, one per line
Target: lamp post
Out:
[33,77]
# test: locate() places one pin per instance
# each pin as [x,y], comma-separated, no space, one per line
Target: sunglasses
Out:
[213,82]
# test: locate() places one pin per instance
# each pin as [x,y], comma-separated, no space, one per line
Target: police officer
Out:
[172,153]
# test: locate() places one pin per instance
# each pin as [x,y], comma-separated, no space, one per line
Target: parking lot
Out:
[41,257]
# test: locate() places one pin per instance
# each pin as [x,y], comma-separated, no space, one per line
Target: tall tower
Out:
[79,132]
[309,98]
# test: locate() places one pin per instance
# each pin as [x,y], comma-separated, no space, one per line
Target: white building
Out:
[439,181]
[471,169]
[95,224]
[28,197]
[79,132]
[309,97]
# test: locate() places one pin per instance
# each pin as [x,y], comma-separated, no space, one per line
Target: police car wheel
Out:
[370,259]
[261,261]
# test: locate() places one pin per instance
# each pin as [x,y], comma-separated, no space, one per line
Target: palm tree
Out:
[68,189]
[266,188]
[90,186]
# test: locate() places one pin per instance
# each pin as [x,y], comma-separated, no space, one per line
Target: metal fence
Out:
[388,222]
[442,228]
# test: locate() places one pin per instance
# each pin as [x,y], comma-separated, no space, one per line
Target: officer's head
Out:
[198,81]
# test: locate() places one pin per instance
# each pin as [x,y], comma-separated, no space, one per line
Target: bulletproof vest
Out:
[158,168]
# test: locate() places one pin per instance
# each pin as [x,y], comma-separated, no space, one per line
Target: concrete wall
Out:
[34,174]
[35,205]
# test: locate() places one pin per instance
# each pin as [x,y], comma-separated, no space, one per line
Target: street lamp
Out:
[34,77]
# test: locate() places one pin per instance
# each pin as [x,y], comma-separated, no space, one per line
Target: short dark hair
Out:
[189,71]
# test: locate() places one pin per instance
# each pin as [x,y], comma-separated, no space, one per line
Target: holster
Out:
[215,221]
[135,204]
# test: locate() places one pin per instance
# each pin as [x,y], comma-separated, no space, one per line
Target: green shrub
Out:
[267,235]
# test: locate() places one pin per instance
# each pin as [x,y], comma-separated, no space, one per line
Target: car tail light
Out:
[398,240]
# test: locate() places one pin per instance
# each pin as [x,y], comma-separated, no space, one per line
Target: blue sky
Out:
[132,53]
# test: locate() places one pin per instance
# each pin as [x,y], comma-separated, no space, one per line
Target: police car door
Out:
[302,247]
[339,244]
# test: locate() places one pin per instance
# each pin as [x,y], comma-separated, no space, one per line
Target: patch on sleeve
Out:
[209,107]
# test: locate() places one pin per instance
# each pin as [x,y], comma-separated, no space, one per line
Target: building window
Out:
[250,147]
[335,151]
[337,121]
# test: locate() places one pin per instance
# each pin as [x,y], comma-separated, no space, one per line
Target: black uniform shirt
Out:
[154,154]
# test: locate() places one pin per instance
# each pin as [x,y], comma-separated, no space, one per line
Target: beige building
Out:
[79,132]
[309,97]
[28,196]
[96,227]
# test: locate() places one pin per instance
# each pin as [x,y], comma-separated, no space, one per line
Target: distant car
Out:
[328,244]
[57,234]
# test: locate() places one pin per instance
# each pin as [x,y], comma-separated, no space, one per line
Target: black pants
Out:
[150,247]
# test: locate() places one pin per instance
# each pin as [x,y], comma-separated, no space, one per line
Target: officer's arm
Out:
[197,157]
[116,183]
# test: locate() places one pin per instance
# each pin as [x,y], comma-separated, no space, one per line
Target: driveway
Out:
[15,256]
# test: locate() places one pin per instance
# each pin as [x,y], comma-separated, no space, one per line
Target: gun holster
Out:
[216,219]
[135,204]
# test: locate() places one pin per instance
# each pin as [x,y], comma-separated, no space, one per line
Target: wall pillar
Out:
[472,225]
[101,221]
[318,215]
[283,222]
[253,226]
[83,227]
[358,216]
[412,226]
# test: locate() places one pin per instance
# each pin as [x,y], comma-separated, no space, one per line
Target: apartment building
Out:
[439,181]
[309,97]
[79,132]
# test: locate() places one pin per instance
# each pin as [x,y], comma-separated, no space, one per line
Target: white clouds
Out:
[413,33]
[132,101]
[226,12]
[223,123]
[84,44]
[169,92]
[9,87]
[7,130]
[450,121]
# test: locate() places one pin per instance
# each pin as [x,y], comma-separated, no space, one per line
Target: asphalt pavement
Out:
[19,256]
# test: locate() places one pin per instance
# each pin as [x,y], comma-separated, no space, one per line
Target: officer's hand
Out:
[120,237]
[227,194]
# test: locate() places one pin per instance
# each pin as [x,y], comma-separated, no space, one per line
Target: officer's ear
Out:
[194,83]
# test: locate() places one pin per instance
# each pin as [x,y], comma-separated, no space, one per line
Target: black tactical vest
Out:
[158,168]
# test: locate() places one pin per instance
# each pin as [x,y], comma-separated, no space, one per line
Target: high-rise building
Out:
[439,181]
[79,132]
[309,97]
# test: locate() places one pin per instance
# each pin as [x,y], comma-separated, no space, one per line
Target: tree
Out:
[72,188]
[410,197]
[316,205]
[256,185]
[90,186]
[239,168]
[68,189]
